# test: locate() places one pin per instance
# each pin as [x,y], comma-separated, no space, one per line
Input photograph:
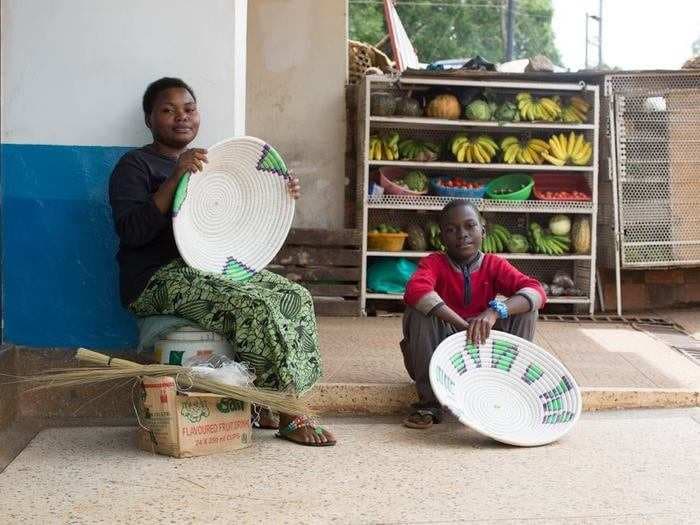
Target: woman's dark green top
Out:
[146,241]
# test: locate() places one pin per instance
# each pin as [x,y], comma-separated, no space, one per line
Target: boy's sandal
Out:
[421,419]
[303,422]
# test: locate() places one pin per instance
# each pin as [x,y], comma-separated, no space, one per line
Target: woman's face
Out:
[174,120]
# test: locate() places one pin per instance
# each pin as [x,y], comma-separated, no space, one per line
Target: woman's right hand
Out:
[191,161]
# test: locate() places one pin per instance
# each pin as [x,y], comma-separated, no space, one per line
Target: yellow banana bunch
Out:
[375,148]
[526,106]
[575,111]
[527,151]
[574,149]
[478,150]
[544,108]
[550,108]
[384,148]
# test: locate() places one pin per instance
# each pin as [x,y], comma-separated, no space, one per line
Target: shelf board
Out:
[525,256]
[484,167]
[568,300]
[431,202]
[550,300]
[389,296]
[438,123]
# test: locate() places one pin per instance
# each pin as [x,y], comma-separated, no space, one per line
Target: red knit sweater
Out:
[495,276]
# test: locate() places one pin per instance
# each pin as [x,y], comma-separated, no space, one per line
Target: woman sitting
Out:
[269,320]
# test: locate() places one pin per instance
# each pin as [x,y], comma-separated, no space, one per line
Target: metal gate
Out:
[655,156]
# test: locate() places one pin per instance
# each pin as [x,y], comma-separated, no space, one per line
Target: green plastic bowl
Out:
[519,184]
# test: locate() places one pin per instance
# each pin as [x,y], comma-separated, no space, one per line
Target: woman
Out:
[269,320]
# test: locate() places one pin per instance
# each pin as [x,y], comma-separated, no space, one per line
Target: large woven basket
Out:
[506,388]
[363,57]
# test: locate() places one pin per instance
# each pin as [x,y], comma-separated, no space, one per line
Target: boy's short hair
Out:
[454,204]
[154,88]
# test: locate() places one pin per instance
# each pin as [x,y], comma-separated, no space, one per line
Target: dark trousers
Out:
[422,334]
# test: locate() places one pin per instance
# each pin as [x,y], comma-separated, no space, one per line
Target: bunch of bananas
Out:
[496,240]
[575,111]
[526,151]
[544,108]
[411,149]
[572,150]
[478,150]
[384,148]
[546,243]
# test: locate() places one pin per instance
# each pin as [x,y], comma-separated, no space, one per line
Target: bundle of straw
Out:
[113,368]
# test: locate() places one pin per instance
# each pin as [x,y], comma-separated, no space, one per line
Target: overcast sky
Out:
[637,34]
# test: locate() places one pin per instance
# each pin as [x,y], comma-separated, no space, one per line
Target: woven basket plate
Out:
[233,217]
[507,388]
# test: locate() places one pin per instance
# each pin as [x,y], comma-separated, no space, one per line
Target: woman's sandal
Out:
[301,422]
[421,419]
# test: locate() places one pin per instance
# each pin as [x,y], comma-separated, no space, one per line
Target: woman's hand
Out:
[294,186]
[191,161]
[480,327]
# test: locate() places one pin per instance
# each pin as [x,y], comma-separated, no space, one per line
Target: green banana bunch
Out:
[416,150]
[496,240]
[546,243]
[434,240]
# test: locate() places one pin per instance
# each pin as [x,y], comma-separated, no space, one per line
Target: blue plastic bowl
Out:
[464,193]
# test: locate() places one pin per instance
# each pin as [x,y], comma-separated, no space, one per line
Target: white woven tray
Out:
[233,217]
[507,388]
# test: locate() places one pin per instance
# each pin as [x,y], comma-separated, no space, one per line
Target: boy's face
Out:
[174,120]
[462,233]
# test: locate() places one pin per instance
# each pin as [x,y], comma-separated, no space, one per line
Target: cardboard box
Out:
[186,424]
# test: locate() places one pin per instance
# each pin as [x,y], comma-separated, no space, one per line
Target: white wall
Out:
[297,68]
[74,71]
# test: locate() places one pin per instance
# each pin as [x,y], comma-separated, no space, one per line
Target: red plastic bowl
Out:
[388,175]
[560,182]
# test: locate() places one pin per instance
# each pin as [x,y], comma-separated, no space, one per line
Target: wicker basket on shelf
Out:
[362,57]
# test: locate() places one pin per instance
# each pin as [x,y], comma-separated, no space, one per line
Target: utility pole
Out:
[598,41]
[600,33]
[510,16]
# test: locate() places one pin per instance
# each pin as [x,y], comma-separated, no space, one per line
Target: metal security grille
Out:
[657,171]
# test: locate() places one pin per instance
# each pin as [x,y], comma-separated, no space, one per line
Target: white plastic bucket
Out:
[186,343]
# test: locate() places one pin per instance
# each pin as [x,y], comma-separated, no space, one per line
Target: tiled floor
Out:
[366,350]
[620,467]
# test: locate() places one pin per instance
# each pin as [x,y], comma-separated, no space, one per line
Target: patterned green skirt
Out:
[268,319]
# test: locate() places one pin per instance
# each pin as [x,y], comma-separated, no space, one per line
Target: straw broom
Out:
[114,368]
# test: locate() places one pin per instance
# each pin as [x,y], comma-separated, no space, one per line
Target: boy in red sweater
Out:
[456,291]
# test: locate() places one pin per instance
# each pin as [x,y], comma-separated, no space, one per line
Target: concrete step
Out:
[615,364]
[395,398]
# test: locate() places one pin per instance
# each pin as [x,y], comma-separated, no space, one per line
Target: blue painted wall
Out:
[59,272]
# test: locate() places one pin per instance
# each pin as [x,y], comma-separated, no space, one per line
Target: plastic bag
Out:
[390,275]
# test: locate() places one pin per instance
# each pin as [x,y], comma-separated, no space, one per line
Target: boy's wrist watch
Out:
[500,308]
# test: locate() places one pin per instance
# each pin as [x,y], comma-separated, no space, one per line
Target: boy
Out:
[455,291]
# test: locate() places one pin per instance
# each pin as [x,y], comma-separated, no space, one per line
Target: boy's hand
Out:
[480,327]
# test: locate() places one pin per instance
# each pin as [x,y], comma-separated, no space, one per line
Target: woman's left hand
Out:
[294,186]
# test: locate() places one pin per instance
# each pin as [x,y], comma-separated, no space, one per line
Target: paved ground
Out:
[623,467]
[688,319]
[365,350]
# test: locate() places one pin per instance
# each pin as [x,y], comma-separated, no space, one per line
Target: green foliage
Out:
[461,28]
